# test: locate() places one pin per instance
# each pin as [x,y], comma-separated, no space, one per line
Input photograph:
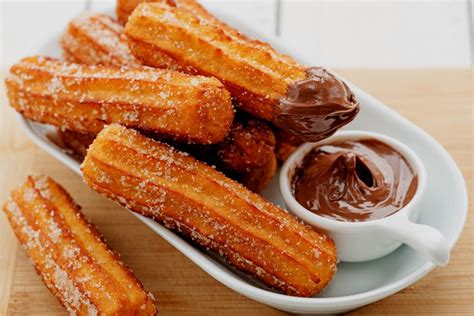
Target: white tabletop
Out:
[333,33]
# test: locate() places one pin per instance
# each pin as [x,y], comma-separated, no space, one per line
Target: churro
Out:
[311,103]
[83,98]
[217,213]
[69,254]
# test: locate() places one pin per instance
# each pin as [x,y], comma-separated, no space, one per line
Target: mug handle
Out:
[423,238]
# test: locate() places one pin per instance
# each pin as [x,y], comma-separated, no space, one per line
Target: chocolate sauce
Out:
[316,107]
[354,181]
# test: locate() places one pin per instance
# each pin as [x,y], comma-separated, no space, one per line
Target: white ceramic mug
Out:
[363,241]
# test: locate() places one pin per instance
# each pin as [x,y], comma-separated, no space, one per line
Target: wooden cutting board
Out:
[439,101]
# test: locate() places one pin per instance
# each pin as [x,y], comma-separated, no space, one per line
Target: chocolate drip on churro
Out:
[317,106]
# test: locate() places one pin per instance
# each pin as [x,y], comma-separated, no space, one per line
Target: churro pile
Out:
[183,119]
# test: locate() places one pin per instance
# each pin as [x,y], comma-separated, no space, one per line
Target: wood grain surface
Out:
[439,101]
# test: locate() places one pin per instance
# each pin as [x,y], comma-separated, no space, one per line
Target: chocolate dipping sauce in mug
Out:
[354,181]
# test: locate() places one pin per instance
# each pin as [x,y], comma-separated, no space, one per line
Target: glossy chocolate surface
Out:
[316,107]
[354,181]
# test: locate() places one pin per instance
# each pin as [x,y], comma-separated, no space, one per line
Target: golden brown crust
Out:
[125,7]
[69,254]
[249,145]
[253,72]
[256,180]
[83,98]
[157,58]
[76,142]
[96,39]
[160,59]
[194,199]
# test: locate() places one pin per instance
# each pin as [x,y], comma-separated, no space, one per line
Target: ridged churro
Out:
[69,254]
[94,38]
[309,102]
[83,98]
[217,213]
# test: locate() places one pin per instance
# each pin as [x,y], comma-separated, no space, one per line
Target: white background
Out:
[333,33]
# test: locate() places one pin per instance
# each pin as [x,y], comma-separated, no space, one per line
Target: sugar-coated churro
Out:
[83,98]
[188,196]
[309,102]
[69,254]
